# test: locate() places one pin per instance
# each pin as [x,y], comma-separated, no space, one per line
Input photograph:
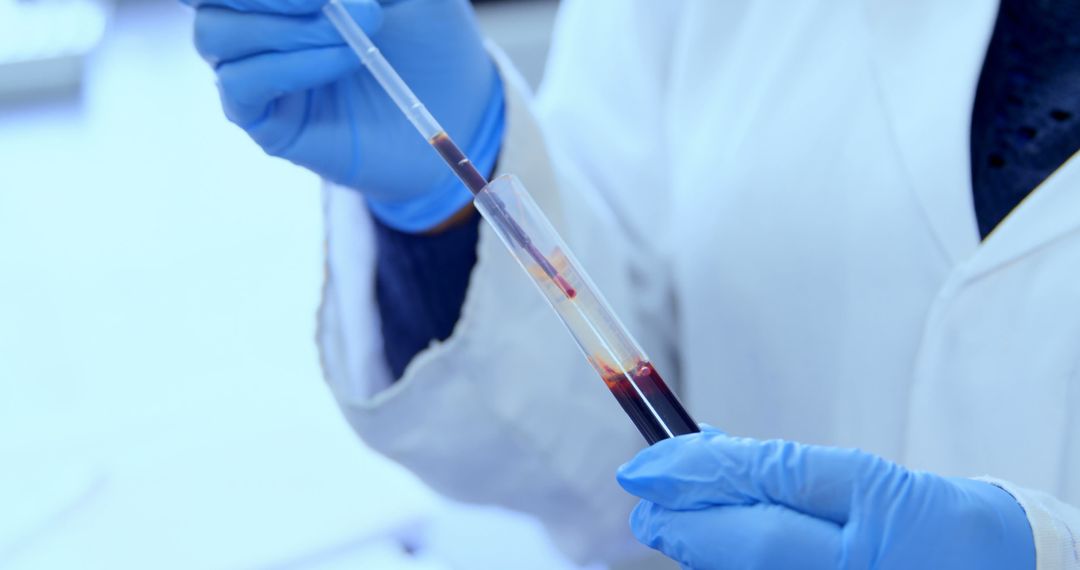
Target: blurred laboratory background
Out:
[161,403]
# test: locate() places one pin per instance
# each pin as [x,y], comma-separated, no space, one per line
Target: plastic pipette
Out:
[539,249]
[429,128]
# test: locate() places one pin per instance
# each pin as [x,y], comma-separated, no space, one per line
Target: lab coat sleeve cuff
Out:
[1055,526]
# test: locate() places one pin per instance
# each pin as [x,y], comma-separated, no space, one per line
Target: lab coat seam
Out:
[1072,396]
[321,331]
[935,312]
[946,207]
[893,137]
[321,326]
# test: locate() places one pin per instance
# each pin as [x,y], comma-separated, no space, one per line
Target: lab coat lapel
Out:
[928,55]
[1050,211]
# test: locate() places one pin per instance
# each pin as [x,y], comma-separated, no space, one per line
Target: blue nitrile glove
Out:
[714,501]
[288,79]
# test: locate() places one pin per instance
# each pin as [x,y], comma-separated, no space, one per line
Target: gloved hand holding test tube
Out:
[539,249]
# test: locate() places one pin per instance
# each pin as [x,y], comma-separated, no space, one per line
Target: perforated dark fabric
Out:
[1026,119]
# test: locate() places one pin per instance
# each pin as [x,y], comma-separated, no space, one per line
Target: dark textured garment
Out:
[1026,120]
[1025,124]
[420,283]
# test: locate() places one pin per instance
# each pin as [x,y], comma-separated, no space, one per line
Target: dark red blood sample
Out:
[565,285]
[475,182]
[650,404]
[460,164]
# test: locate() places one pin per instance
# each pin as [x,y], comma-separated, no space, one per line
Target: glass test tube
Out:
[607,345]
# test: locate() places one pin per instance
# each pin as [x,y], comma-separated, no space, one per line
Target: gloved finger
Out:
[758,536]
[223,35]
[263,6]
[247,86]
[706,469]
[684,472]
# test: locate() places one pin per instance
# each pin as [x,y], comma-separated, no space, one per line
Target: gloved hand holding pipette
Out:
[287,78]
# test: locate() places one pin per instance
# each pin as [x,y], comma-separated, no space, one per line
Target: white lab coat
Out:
[776,198]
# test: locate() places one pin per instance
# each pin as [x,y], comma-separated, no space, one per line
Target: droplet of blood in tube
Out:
[566,287]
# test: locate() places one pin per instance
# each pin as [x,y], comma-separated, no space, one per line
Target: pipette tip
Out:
[565,286]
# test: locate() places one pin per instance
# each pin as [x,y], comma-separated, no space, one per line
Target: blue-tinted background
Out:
[161,404]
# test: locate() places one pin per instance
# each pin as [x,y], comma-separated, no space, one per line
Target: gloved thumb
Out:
[286,7]
[224,35]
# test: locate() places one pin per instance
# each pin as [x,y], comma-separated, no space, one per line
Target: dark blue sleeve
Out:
[420,284]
